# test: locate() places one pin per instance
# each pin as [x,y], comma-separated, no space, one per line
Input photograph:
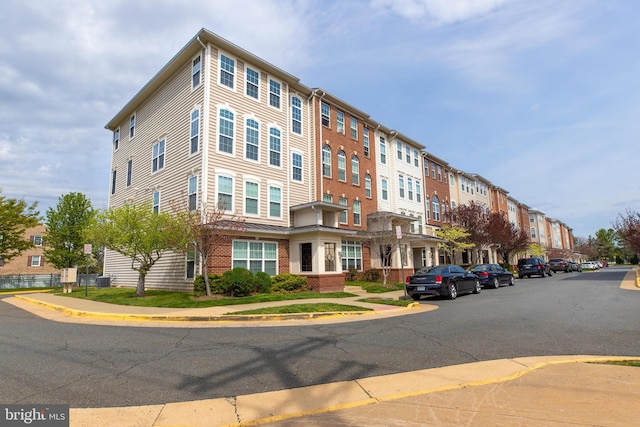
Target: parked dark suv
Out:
[533,266]
[560,264]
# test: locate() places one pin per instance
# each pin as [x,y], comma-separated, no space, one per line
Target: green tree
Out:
[605,243]
[536,249]
[15,217]
[455,239]
[66,228]
[136,232]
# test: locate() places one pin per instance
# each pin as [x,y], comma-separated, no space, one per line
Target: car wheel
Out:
[543,275]
[550,273]
[520,276]
[478,288]
[415,297]
[453,291]
[495,283]
[512,281]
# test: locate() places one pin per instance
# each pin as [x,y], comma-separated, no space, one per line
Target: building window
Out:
[275,202]
[225,132]
[252,140]
[225,193]
[252,83]
[296,115]
[383,151]
[116,139]
[274,93]
[399,150]
[132,126]
[157,156]
[296,167]
[36,240]
[329,256]
[340,120]
[410,188]
[415,158]
[355,170]
[113,182]
[418,191]
[351,255]
[427,206]
[342,166]
[433,171]
[251,193]
[196,67]
[227,71]
[533,233]
[385,189]
[407,152]
[367,186]
[326,161]
[436,208]
[193,193]
[155,204]
[343,213]
[357,217]
[256,256]
[326,114]
[401,185]
[327,198]
[195,131]
[306,257]
[275,147]
[129,171]
[190,262]
[365,139]
[35,261]
[439,173]
[451,183]
[353,122]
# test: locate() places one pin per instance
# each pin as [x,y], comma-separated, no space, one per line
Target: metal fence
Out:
[26,281]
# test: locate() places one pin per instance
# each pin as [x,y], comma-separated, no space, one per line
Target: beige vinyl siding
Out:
[166,114]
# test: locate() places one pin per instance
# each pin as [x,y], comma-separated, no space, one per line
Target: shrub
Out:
[351,275]
[215,282]
[371,275]
[262,282]
[284,283]
[238,282]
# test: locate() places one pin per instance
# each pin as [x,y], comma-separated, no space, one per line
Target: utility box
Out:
[68,277]
[103,282]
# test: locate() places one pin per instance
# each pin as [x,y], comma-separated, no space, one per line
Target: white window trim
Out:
[253,180]
[190,193]
[116,139]
[281,96]
[291,107]
[199,110]
[226,174]
[235,130]
[164,161]
[235,71]
[193,88]
[279,129]
[246,82]
[294,151]
[244,144]
[270,185]
[133,116]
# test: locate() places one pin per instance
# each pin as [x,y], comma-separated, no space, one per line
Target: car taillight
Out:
[407,279]
[539,265]
[438,279]
[483,274]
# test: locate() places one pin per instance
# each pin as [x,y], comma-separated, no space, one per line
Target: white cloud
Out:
[440,12]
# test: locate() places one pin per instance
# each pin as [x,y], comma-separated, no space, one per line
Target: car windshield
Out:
[433,270]
[483,267]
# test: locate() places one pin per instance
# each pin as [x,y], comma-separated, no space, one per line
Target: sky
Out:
[542,98]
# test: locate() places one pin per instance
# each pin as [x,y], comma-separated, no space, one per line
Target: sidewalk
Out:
[528,391]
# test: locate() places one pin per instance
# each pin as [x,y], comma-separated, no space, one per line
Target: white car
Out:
[589,265]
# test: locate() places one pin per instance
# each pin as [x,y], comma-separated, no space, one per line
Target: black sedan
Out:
[492,275]
[442,280]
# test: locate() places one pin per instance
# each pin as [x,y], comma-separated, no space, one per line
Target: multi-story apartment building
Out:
[538,227]
[31,261]
[311,175]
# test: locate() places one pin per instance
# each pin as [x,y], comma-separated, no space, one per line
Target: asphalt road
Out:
[101,366]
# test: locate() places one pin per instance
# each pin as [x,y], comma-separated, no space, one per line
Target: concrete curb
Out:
[208,318]
[277,406]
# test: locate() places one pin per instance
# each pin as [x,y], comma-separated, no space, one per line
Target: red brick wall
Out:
[326,282]
[436,187]
[222,260]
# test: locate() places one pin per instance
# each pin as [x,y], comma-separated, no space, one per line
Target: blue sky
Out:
[540,97]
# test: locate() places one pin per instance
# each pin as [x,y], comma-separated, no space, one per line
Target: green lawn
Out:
[634,363]
[155,298]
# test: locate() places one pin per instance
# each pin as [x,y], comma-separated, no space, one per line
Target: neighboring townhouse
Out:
[499,200]
[438,201]
[482,193]
[31,261]
[538,227]
[512,208]
[346,181]
[401,201]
